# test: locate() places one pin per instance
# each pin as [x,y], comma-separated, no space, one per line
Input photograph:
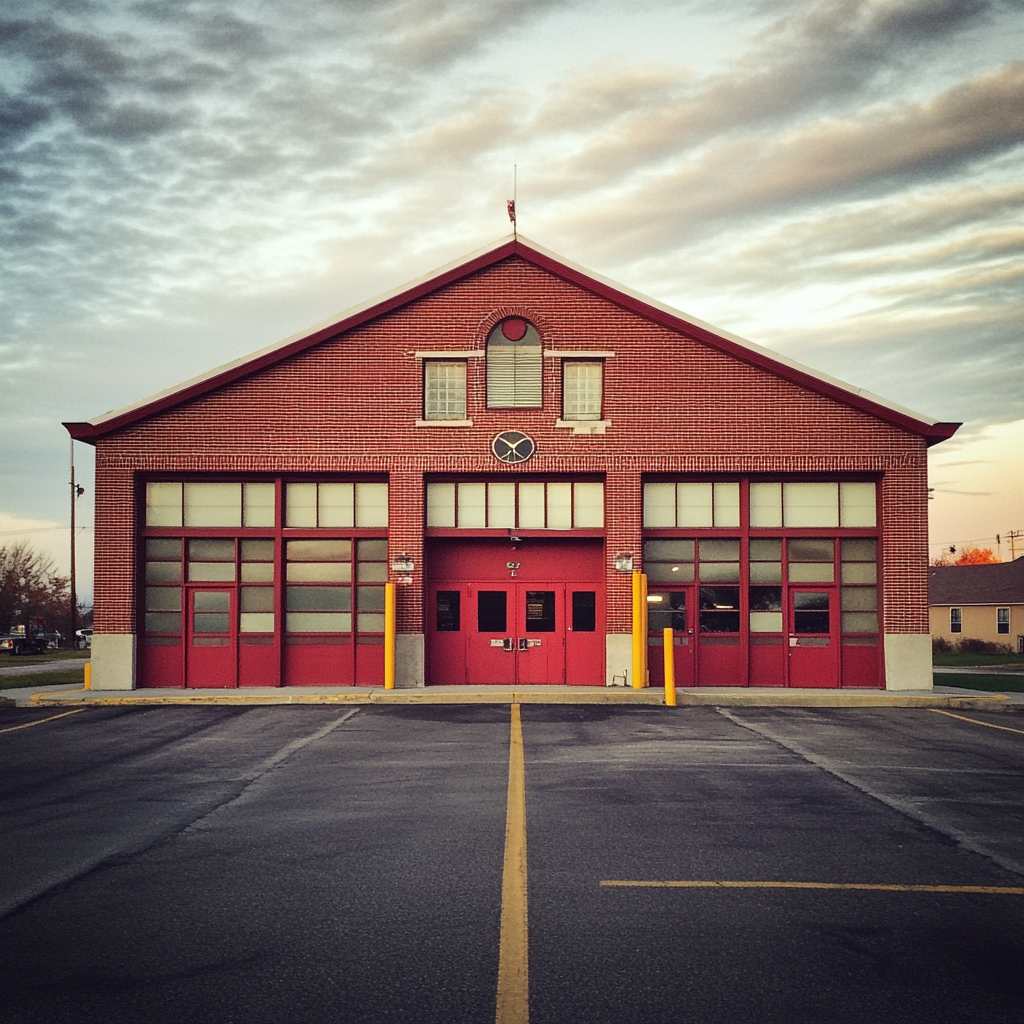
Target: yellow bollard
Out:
[670,666]
[389,636]
[645,649]
[639,638]
[87,685]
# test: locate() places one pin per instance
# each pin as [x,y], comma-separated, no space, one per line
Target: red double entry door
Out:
[513,631]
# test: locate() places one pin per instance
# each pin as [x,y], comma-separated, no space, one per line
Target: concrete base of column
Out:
[113,661]
[908,661]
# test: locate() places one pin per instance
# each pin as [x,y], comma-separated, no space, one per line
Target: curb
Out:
[649,697]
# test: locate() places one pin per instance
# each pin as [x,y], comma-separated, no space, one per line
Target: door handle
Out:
[524,644]
[508,644]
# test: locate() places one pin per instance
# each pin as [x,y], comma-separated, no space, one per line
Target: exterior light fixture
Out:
[624,562]
[402,564]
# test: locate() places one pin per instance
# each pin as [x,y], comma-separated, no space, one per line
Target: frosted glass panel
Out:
[213,504]
[812,572]
[256,622]
[727,504]
[257,504]
[319,572]
[257,572]
[300,505]
[531,506]
[766,504]
[334,502]
[319,622]
[693,505]
[857,504]
[588,505]
[859,572]
[811,504]
[559,506]
[211,572]
[371,504]
[766,622]
[472,506]
[501,505]
[659,505]
[440,504]
[163,504]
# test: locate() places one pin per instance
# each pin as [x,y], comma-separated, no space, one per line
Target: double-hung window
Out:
[581,390]
[956,622]
[1003,621]
[444,390]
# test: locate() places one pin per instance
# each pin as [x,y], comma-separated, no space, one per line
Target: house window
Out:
[1003,621]
[514,366]
[581,390]
[955,620]
[444,390]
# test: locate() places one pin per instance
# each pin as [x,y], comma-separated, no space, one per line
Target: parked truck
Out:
[32,639]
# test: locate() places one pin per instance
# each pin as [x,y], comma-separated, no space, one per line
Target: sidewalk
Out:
[942,696]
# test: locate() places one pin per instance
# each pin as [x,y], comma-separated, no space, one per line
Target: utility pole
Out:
[76,492]
[1014,535]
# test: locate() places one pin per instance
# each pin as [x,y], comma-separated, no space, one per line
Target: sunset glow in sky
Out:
[839,180]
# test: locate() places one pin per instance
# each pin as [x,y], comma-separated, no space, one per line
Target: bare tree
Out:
[30,588]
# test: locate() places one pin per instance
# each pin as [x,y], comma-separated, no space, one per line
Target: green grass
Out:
[978,660]
[72,676]
[7,659]
[994,684]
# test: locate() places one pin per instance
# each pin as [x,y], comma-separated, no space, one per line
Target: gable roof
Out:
[110,422]
[998,583]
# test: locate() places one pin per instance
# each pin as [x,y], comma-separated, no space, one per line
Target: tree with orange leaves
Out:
[969,556]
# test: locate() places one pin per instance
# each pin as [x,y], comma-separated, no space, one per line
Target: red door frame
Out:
[813,665]
[468,566]
[211,654]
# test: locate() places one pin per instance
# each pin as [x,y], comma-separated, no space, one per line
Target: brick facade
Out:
[676,404]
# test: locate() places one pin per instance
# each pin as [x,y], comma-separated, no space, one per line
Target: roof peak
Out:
[489,255]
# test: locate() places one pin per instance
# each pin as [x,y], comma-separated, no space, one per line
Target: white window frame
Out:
[956,620]
[571,402]
[1002,620]
[450,411]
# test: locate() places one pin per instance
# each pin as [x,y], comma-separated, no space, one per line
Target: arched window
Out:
[514,366]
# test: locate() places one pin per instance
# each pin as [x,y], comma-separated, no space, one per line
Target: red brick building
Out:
[508,439]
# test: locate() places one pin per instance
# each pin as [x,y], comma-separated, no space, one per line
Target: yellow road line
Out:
[974,721]
[513,1004]
[40,721]
[991,890]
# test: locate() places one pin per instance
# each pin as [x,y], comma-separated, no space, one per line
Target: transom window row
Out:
[829,505]
[519,505]
[306,505]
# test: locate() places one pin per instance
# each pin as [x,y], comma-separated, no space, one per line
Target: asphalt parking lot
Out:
[321,863]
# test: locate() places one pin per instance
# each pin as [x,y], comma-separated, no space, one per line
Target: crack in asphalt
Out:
[13,903]
[898,804]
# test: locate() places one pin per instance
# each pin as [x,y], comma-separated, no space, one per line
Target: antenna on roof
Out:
[510,205]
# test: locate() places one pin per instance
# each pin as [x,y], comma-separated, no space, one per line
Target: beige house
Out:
[981,602]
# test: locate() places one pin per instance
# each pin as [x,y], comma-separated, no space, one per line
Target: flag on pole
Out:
[511,206]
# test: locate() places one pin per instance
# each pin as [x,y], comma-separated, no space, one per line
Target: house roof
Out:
[999,583]
[512,246]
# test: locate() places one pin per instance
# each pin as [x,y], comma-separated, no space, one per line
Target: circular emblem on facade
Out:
[512,447]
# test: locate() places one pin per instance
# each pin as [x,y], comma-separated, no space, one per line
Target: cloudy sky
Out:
[840,180]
